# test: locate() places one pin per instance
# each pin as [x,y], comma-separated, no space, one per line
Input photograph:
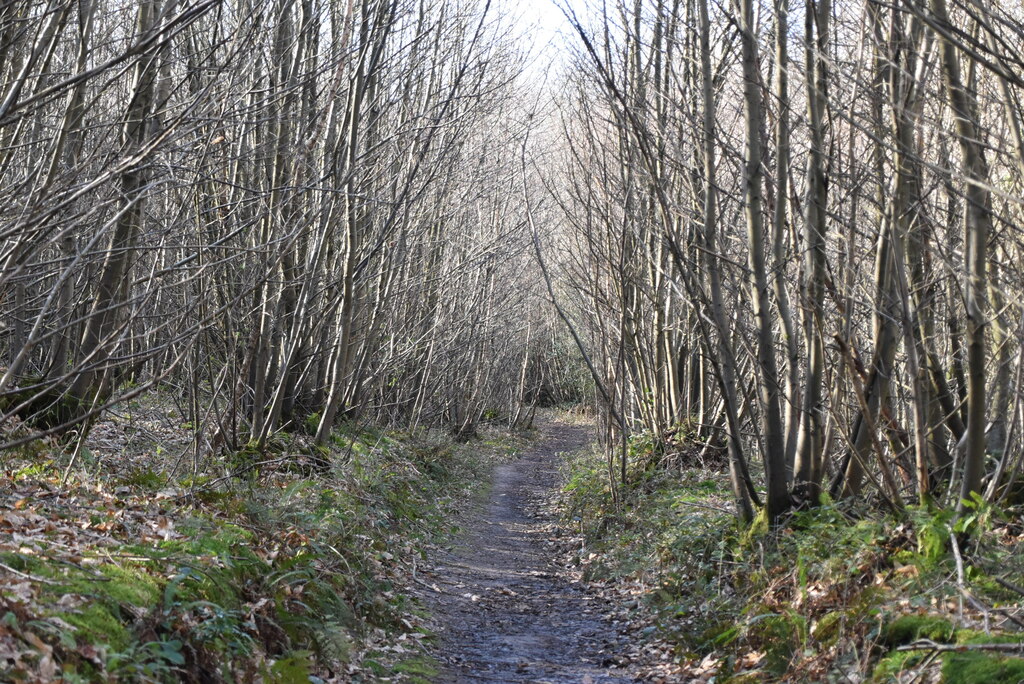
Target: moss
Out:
[96,624]
[972,667]
[321,590]
[418,670]
[826,629]
[37,469]
[124,584]
[756,530]
[958,668]
[889,667]
[144,478]
[974,636]
[131,585]
[908,628]
[217,566]
[203,539]
[26,563]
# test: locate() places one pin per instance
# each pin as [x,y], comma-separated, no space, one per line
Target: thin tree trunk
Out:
[977,228]
[809,466]
[753,180]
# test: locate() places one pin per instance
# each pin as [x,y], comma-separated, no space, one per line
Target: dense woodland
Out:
[796,230]
[281,213]
[793,228]
[782,235]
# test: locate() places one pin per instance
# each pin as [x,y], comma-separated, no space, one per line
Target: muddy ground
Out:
[506,610]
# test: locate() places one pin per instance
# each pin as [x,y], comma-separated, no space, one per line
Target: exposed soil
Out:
[507,611]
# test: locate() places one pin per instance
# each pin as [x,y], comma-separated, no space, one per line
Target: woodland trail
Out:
[507,611]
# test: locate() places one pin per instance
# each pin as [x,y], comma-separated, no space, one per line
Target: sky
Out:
[545,15]
[544,22]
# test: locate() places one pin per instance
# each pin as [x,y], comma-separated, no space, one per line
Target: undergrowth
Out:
[839,592]
[288,567]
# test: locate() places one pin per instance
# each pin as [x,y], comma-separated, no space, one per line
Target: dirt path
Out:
[507,612]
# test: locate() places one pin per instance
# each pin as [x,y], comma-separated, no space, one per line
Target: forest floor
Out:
[389,556]
[289,564]
[506,607]
[399,556]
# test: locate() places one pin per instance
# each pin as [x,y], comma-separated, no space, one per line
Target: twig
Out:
[1009,616]
[27,576]
[975,601]
[955,545]
[1009,585]
[922,667]
[710,507]
[929,645]
[420,582]
[93,575]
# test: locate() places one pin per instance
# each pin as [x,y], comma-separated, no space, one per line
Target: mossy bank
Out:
[839,592]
